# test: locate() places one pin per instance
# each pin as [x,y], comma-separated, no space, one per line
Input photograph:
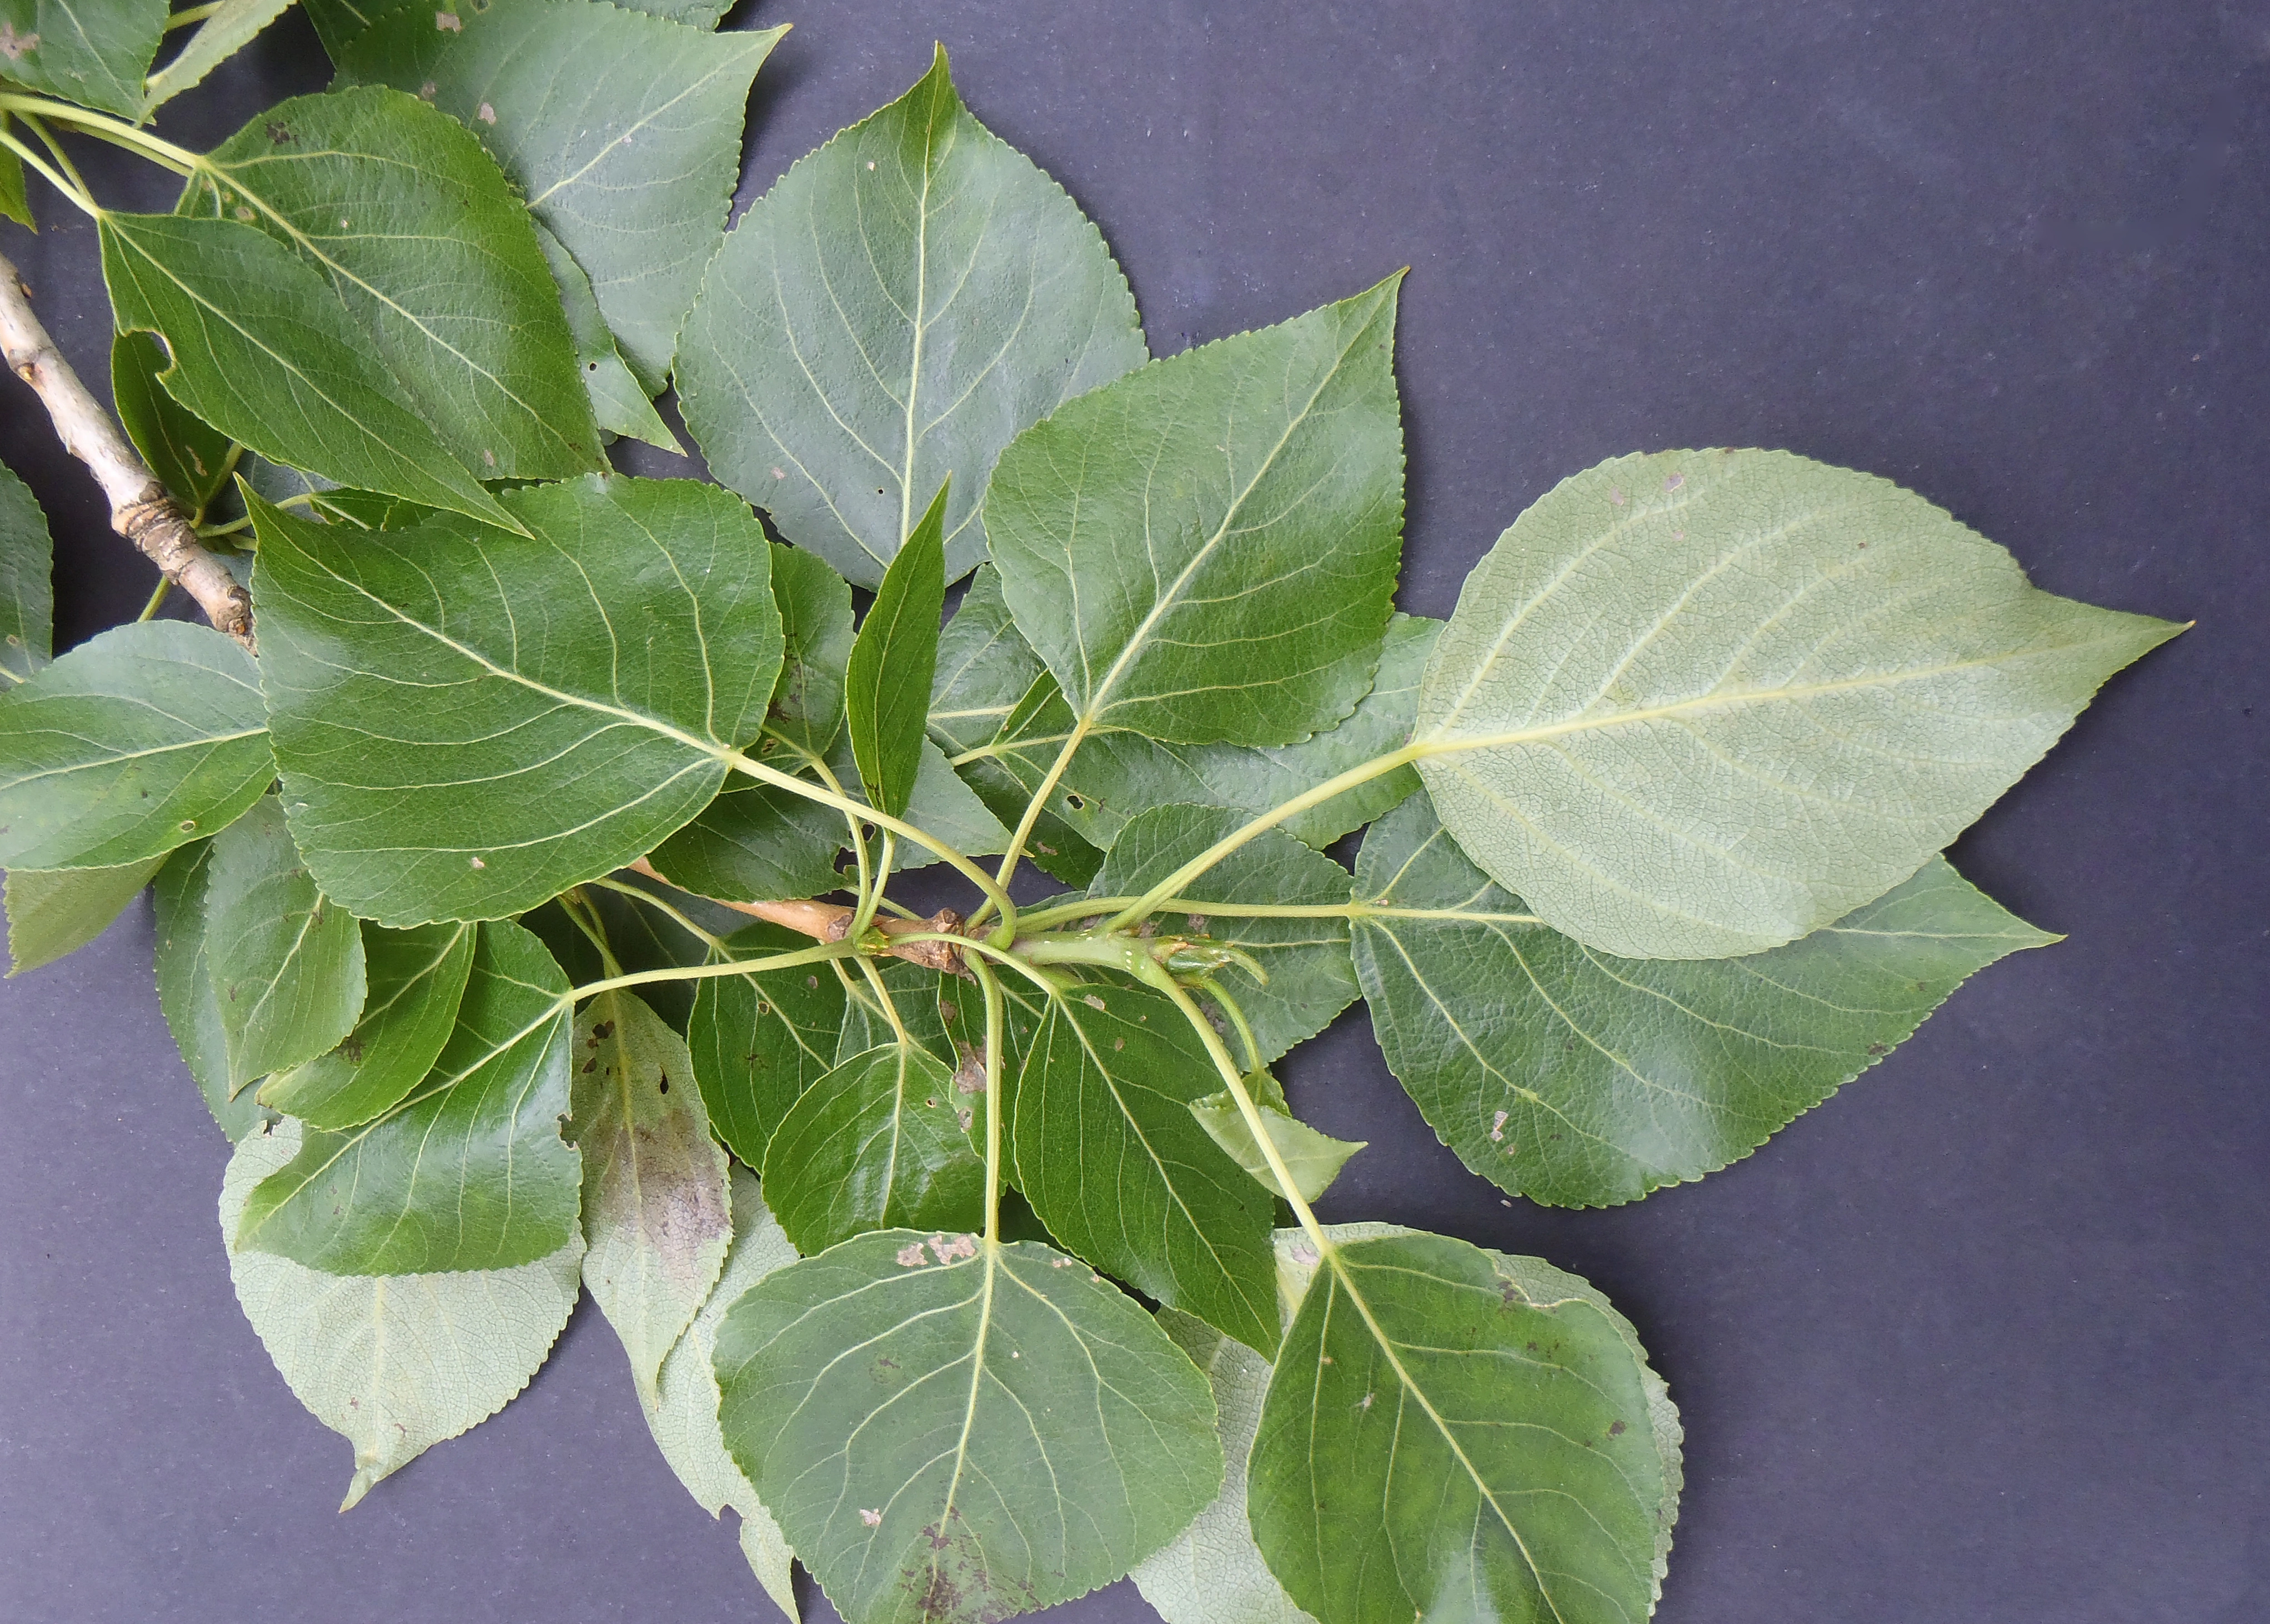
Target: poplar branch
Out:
[141,511]
[831,921]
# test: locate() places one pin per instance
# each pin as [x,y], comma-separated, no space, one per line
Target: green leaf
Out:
[395,1364]
[756,842]
[640,937]
[1578,1079]
[418,233]
[892,313]
[1006,1431]
[1121,1171]
[192,459]
[622,130]
[1313,1158]
[136,742]
[1205,551]
[92,52]
[265,352]
[618,402]
[443,761]
[874,1144]
[52,912]
[1212,1573]
[220,37]
[185,988]
[759,1041]
[14,204]
[467,1172]
[656,1210]
[1695,704]
[815,605]
[886,683]
[683,1417]
[417,980]
[949,811]
[1443,1436]
[286,963]
[1000,714]
[925,1007]
[1310,976]
[28,603]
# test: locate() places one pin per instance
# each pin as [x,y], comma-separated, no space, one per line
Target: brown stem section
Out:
[830,922]
[140,509]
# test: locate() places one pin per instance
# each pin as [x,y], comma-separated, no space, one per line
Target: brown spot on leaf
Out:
[1616,1429]
[447,22]
[1878,1049]
[15,47]
[278,133]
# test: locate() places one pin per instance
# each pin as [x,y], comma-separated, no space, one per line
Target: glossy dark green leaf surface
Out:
[27,602]
[136,741]
[1123,1174]
[469,1172]
[185,988]
[898,306]
[286,961]
[1441,1438]
[1580,1080]
[191,458]
[759,1041]
[1205,549]
[418,233]
[265,353]
[951,1433]
[887,680]
[416,981]
[469,721]
[92,52]
[874,1144]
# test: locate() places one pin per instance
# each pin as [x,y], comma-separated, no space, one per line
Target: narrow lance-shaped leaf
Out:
[396,1365]
[441,759]
[1444,1435]
[874,1144]
[190,457]
[1579,1079]
[683,1415]
[265,352]
[1304,957]
[469,1171]
[286,961]
[759,1041]
[622,130]
[417,979]
[94,52]
[893,312]
[136,741]
[1009,1431]
[1697,703]
[227,31]
[1205,549]
[419,235]
[655,1205]
[1120,1171]
[28,603]
[52,912]
[185,988]
[886,684]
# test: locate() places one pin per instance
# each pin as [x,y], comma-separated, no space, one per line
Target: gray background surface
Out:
[1983,1338]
